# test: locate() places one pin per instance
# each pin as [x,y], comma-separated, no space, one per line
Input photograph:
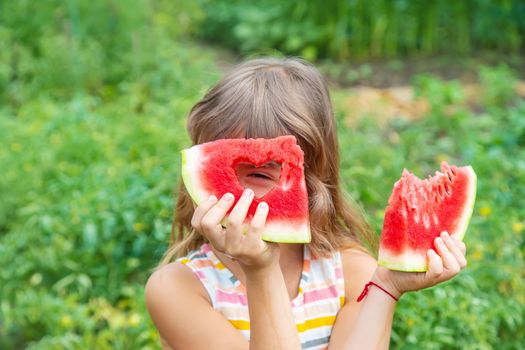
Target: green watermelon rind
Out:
[462,229]
[460,234]
[186,176]
[273,231]
[403,266]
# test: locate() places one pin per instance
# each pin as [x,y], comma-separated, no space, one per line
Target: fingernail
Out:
[444,234]
[439,240]
[248,192]
[228,197]
[212,199]
[263,206]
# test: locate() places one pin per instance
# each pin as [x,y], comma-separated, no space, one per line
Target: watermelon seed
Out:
[448,190]
[441,191]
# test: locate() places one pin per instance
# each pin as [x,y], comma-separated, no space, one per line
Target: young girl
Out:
[230,290]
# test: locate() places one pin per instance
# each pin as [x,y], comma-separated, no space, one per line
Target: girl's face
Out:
[259,179]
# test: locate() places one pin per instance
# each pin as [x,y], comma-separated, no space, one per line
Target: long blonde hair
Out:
[265,98]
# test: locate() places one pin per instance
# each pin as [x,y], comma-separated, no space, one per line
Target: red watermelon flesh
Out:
[210,169]
[419,210]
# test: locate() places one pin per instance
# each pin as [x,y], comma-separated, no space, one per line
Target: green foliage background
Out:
[365,28]
[93,100]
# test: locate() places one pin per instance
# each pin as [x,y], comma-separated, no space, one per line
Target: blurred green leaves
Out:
[93,96]
[365,28]
[93,100]
[91,46]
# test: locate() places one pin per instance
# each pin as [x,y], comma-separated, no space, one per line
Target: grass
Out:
[87,195]
[91,127]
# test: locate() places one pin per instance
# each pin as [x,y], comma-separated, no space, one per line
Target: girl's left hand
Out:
[444,264]
[247,248]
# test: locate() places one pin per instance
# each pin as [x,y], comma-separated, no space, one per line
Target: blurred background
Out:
[93,100]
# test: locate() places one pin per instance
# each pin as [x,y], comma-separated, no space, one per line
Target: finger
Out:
[454,249]
[450,264]
[258,221]
[201,210]
[236,220]
[211,221]
[460,244]
[435,265]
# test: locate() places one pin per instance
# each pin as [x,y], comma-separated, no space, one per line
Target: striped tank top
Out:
[321,294]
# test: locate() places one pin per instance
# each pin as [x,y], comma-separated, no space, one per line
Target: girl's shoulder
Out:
[174,293]
[169,288]
[173,278]
[181,277]
[358,268]
[356,255]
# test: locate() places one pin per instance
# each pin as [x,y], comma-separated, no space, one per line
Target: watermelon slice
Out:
[210,169]
[419,210]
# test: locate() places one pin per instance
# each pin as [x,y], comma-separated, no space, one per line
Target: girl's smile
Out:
[260,179]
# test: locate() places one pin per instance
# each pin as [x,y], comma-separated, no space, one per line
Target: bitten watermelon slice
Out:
[419,210]
[210,169]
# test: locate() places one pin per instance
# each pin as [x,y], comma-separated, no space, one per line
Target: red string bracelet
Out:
[367,287]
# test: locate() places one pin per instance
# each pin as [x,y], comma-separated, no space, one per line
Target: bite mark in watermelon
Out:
[210,169]
[419,210]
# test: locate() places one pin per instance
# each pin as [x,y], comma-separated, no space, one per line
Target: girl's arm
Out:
[368,324]
[358,269]
[272,325]
[271,319]
[181,310]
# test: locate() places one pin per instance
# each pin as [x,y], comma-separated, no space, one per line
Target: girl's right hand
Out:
[247,248]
